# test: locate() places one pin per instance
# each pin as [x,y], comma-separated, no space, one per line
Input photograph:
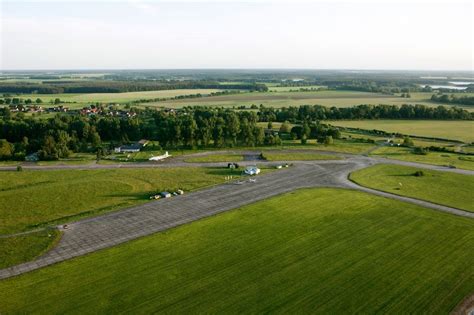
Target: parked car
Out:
[165,194]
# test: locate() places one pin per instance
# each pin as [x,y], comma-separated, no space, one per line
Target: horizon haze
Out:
[102,35]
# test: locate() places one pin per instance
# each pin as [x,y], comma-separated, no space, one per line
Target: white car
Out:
[252,170]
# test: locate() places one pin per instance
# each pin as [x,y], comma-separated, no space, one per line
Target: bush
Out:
[420,151]
[304,139]
[419,173]
[407,142]
[328,140]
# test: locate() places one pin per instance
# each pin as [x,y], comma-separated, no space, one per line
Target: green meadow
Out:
[445,129]
[309,251]
[18,249]
[52,197]
[450,189]
[215,158]
[435,158]
[297,156]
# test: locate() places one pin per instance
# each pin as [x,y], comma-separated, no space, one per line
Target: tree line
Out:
[453,99]
[317,112]
[57,137]
[51,87]
[190,127]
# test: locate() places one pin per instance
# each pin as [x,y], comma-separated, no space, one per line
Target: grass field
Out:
[309,251]
[60,196]
[18,249]
[435,158]
[446,129]
[298,156]
[342,146]
[215,158]
[450,189]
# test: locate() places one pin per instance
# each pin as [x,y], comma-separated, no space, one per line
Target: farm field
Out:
[450,189]
[435,158]
[309,251]
[272,88]
[115,97]
[446,129]
[59,196]
[285,99]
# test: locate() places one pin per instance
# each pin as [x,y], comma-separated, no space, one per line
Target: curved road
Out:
[89,235]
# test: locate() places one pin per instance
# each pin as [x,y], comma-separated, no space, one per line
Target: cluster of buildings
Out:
[86,111]
[15,108]
[109,111]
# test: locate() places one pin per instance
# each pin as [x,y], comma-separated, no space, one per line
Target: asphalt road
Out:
[89,235]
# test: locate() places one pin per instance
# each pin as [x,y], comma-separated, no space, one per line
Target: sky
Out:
[278,34]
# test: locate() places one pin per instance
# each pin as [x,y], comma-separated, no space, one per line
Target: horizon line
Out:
[235,68]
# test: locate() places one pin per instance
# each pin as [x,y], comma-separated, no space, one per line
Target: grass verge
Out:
[215,158]
[450,189]
[298,156]
[434,158]
[18,249]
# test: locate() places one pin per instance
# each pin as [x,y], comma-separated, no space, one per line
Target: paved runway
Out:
[89,235]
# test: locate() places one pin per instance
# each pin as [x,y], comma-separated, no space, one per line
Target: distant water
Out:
[461,82]
[452,87]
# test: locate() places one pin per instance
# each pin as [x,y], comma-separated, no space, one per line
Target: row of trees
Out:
[56,137]
[27,101]
[203,127]
[51,87]
[318,112]
[453,99]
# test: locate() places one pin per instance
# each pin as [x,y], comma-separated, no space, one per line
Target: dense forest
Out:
[56,137]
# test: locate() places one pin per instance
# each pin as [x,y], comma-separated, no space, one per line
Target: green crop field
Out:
[445,129]
[59,196]
[309,251]
[116,97]
[285,99]
[450,189]
[435,158]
